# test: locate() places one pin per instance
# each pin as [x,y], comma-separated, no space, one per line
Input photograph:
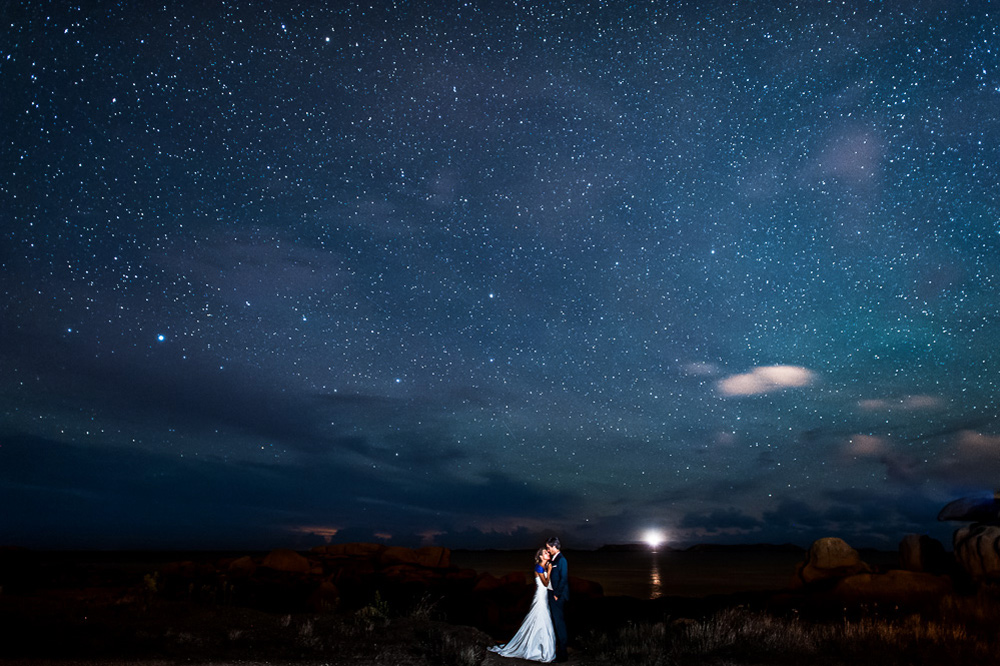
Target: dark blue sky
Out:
[474,273]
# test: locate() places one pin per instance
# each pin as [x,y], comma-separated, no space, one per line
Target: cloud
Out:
[701,369]
[972,460]
[766,379]
[853,155]
[865,446]
[720,520]
[976,444]
[909,403]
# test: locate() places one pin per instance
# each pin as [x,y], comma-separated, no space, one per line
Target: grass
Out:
[962,630]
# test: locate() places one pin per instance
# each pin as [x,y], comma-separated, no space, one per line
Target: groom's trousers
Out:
[557,611]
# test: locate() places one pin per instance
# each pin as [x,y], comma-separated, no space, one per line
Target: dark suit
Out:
[559,579]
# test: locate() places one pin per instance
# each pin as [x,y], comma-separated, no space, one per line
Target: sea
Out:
[674,573]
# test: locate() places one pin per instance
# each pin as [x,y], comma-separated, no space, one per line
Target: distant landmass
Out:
[746,547]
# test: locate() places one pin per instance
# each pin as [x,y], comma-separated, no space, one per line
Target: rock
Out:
[832,553]
[895,586]
[581,588]
[355,550]
[355,568]
[287,560]
[982,508]
[487,582]
[977,550]
[829,558]
[461,575]
[504,589]
[188,569]
[919,552]
[514,579]
[243,566]
[397,555]
[408,573]
[326,598]
[434,557]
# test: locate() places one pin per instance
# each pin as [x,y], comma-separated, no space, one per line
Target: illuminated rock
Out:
[829,558]
[243,566]
[286,560]
[919,552]
[896,586]
[977,550]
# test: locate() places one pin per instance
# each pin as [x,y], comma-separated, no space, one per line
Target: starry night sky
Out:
[471,273]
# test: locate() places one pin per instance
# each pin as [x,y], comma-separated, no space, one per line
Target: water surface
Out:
[648,575]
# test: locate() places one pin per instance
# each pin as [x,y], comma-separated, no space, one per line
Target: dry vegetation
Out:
[53,631]
[961,630]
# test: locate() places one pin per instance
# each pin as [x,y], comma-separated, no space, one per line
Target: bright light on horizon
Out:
[654,538]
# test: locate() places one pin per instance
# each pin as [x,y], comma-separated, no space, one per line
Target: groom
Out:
[558,595]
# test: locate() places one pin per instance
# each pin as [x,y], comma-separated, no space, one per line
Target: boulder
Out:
[487,583]
[408,573]
[433,557]
[828,559]
[355,568]
[243,566]
[515,579]
[977,550]
[894,586]
[354,550]
[397,555]
[287,560]
[919,552]
[581,588]
[326,597]
[188,569]
[983,508]
[461,575]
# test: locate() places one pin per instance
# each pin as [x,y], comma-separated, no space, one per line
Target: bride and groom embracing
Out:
[542,635]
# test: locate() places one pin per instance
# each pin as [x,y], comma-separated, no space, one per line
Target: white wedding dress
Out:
[535,639]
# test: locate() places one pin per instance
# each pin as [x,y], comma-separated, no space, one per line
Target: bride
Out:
[535,639]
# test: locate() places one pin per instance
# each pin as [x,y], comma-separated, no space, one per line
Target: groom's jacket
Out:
[560,578]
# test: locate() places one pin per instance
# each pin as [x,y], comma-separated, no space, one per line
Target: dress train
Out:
[535,639]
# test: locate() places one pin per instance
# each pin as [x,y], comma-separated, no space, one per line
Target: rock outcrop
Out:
[977,550]
[828,559]
[431,557]
[921,553]
[977,508]
[976,546]
[344,578]
[894,586]
[288,561]
[834,574]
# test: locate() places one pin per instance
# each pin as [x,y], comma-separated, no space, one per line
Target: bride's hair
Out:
[538,555]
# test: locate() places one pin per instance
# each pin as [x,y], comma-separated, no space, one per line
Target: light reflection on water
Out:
[655,585]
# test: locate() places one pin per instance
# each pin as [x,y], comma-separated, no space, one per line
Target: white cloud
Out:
[766,379]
